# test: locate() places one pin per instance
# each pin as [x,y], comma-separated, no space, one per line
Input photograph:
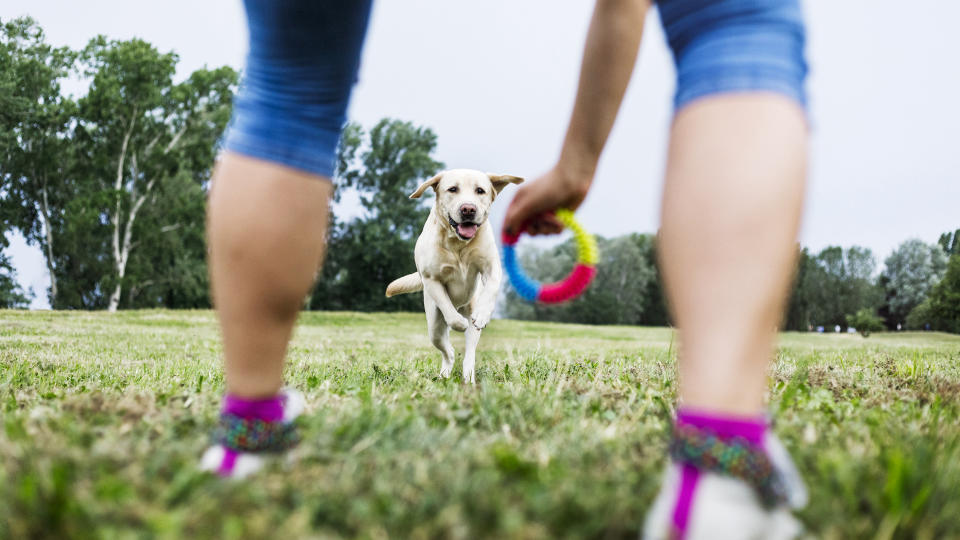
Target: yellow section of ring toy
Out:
[586,245]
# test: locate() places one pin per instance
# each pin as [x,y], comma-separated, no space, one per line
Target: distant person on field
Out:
[731,207]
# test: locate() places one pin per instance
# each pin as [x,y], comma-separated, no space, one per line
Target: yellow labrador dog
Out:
[458,265]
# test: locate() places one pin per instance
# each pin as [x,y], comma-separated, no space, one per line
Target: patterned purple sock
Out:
[268,410]
[750,428]
[726,427]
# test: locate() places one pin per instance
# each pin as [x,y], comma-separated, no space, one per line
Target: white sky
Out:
[496,81]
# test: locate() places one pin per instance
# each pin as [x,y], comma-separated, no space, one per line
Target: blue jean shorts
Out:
[302,65]
[305,54]
[724,46]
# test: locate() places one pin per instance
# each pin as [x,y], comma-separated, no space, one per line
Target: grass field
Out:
[104,418]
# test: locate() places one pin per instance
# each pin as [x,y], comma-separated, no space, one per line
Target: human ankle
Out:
[750,428]
[266,409]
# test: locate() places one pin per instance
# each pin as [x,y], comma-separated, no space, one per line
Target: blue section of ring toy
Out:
[527,288]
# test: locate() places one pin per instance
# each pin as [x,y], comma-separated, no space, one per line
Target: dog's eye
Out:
[454,189]
[480,191]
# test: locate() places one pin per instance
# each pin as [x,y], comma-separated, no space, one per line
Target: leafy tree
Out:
[865,321]
[11,295]
[381,168]
[830,285]
[941,309]
[945,298]
[126,165]
[656,312]
[920,317]
[138,130]
[36,150]
[950,242]
[172,272]
[847,284]
[909,274]
[799,308]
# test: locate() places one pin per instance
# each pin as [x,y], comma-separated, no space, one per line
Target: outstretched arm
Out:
[608,59]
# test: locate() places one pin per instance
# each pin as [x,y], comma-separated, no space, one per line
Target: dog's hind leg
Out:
[440,337]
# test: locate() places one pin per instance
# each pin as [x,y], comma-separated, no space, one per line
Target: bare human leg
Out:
[267,233]
[731,210]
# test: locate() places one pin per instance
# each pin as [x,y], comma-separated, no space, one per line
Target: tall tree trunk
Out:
[119,263]
[126,246]
[48,255]
[121,248]
[115,295]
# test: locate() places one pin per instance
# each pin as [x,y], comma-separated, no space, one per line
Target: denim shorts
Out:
[724,46]
[302,65]
[305,54]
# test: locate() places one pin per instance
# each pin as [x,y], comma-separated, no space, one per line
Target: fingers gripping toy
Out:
[571,286]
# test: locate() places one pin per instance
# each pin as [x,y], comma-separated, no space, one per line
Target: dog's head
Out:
[464,197]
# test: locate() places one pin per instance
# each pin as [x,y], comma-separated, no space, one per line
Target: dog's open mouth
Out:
[465,230]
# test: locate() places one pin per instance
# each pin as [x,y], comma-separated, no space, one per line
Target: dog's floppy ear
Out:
[500,181]
[429,183]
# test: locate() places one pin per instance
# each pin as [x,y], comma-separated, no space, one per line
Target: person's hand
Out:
[535,201]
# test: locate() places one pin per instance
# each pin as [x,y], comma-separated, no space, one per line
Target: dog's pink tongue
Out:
[467,230]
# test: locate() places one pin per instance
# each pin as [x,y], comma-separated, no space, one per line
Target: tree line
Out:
[918,288]
[111,185]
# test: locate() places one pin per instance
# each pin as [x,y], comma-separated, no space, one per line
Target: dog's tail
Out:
[407,284]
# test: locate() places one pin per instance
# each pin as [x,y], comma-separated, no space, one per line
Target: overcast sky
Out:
[496,81]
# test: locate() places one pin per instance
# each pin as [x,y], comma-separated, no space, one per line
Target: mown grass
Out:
[104,417]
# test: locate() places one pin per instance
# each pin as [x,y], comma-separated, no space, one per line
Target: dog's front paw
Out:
[445,371]
[481,320]
[460,324]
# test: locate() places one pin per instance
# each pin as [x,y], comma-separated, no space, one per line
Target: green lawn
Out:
[104,418]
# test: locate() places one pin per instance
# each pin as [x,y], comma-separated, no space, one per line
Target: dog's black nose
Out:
[468,212]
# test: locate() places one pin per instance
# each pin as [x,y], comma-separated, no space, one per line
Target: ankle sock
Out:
[722,444]
[252,426]
[267,409]
[726,427]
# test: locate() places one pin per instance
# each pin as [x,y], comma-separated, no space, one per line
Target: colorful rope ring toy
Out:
[571,286]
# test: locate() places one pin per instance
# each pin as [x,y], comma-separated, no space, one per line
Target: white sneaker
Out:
[233,464]
[726,508]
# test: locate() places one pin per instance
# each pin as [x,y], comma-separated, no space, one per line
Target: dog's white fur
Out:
[460,276]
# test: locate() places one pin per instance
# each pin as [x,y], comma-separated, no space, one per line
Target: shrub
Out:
[865,321]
